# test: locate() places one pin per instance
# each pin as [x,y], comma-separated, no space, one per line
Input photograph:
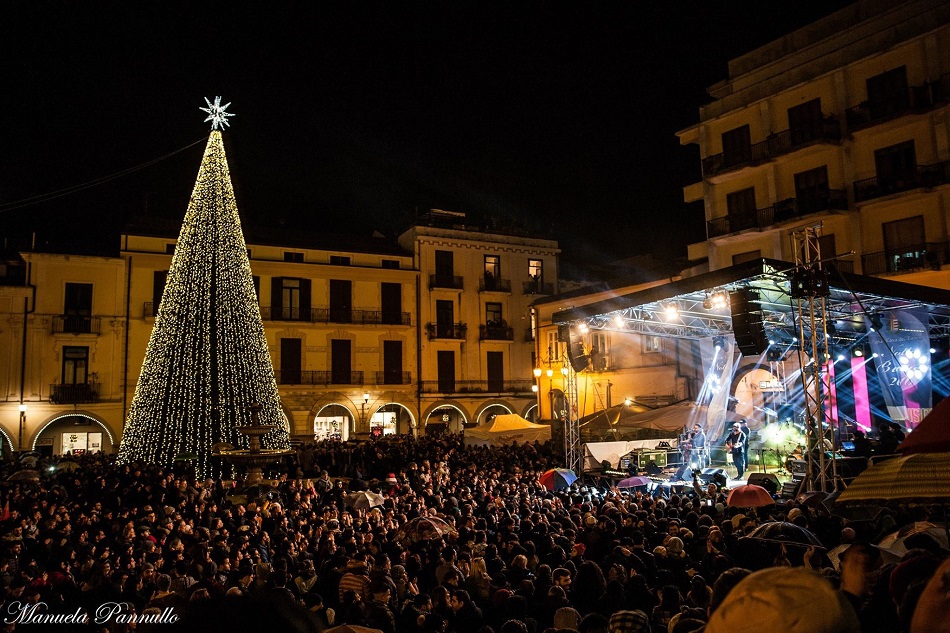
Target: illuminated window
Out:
[652,344]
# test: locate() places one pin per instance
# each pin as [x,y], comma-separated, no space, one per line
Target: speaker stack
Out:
[575,348]
[747,326]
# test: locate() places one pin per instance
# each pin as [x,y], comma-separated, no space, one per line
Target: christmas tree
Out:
[207,359]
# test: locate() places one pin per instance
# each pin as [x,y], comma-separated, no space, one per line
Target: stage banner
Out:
[717,384]
[902,360]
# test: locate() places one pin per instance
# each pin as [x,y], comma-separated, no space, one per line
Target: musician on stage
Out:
[735,443]
[699,446]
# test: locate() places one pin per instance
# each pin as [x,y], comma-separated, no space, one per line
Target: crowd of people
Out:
[465,540]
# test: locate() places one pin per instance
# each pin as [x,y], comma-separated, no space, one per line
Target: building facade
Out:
[360,331]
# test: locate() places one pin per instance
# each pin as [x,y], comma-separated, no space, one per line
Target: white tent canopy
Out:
[597,452]
[506,429]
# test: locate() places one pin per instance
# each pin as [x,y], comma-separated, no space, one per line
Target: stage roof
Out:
[851,298]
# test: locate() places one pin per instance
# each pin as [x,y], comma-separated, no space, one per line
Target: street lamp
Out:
[19,439]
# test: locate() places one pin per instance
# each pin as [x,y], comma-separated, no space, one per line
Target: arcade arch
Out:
[76,431]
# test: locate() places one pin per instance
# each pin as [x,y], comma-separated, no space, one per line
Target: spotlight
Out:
[876,322]
[933,350]
[582,328]
[618,321]
[671,312]
[719,342]
[858,352]
[840,357]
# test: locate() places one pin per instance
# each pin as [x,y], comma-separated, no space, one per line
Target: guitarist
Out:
[735,444]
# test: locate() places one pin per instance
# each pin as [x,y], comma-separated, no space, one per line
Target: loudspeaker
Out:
[791,488]
[747,326]
[575,352]
[709,475]
[767,480]
[680,474]
[564,333]
[653,469]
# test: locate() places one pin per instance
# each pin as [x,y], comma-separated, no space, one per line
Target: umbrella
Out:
[634,482]
[783,532]
[185,457]
[28,454]
[887,556]
[29,460]
[749,496]
[364,500]
[24,475]
[932,435]
[425,529]
[220,447]
[909,537]
[918,478]
[67,466]
[557,478]
[351,628]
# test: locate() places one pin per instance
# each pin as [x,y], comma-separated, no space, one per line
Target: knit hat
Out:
[787,599]
[629,622]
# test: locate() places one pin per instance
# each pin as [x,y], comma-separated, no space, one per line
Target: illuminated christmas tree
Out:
[207,358]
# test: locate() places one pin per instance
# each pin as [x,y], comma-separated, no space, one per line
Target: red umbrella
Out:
[932,435]
[749,496]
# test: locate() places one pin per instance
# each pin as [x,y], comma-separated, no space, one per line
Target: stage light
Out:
[582,328]
[933,350]
[840,357]
[771,342]
[618,321]
[858,352]
[671,312]
[719,342]
[876,322]
[874,355]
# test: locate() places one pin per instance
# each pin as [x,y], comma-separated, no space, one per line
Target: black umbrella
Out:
[784,532]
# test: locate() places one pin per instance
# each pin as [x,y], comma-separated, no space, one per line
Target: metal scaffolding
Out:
[572,433]
[809,288]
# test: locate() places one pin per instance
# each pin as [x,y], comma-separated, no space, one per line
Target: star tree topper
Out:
[216,113]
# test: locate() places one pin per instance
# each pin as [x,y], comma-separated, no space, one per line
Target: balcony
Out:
[827,130]
[453,282]
[323,378]
[393,378]
[924,176]
[76,324]
[495,333]
[538,288]
[336,315]
[74,394]
[790,209]
[917,99]
[915,257]
[494,284]
[446,330]
[476,387]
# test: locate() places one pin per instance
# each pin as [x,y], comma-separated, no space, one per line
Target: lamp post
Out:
[19,439]
[536,388]
[363,404]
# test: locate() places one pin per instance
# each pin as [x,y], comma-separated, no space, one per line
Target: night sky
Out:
[559,117]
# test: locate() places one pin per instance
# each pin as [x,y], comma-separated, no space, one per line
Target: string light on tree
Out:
[207,358]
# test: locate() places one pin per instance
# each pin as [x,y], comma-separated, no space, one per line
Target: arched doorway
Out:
[332,422]
[6,444]
[446,418]
[487,415]
[76,433]
[391,419]
[531,413]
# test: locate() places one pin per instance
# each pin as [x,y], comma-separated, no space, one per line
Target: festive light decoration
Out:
[207,358]
[216,113]
[914,365]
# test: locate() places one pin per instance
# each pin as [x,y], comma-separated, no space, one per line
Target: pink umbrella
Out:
[633,482]
[749,496]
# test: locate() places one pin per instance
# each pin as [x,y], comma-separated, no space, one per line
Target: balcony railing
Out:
[832,200]
[393,378]
[446,330]
[335,315]
[76,324]
[74,394]
[494,284]
[917,99]
[926,176]
[914,257]
[445,281]
[828,130]
[538,288]
[495,333]
[475,386]
[301,377]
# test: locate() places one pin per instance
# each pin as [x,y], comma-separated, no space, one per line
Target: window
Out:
[444,318]
[493,314]
[495,365]
[887,93]
[159,277]
[444,267]
[600,350]
[257,288]
[741,208]
[340,362]
[553,347]
[290,299]
[291,256]
[804,122]
[493,265]
[737,146]
[392,363]
[391,303]
[290,359]
[811,190]
[747,256]
[170,249]
[249,253]
[341,301]
[391,263]
[339,260]
[652,344]
[536,270]
[446,369]
[75,365]
[77,308]
[905,244]
[896,165]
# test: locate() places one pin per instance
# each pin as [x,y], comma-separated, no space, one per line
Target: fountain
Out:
[254,458]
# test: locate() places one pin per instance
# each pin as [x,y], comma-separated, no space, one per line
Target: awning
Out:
[687,308]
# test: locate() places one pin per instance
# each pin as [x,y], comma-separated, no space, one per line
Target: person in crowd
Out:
[736,445]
